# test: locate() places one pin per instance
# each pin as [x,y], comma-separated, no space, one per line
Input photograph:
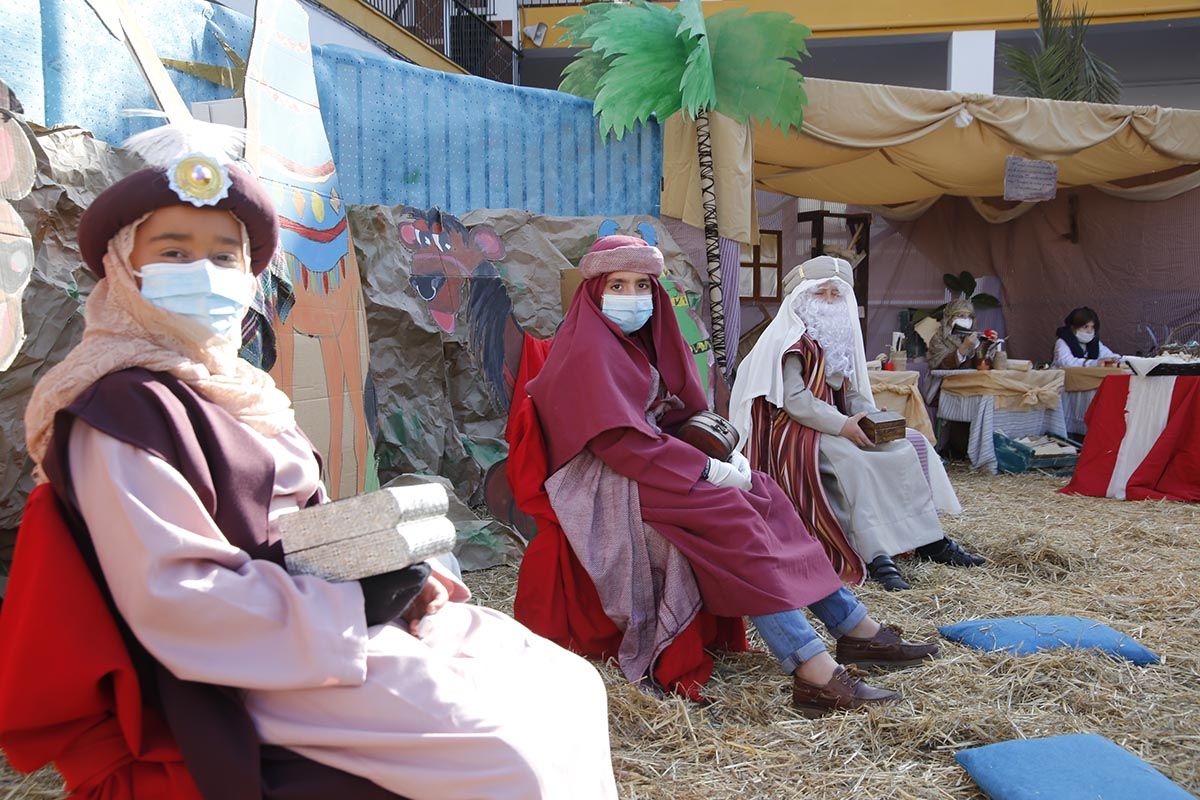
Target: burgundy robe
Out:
[750,552]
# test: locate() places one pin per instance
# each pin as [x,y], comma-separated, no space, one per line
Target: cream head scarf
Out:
[123,330]
[761,373]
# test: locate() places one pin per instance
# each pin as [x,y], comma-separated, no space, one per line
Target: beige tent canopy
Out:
[874,145]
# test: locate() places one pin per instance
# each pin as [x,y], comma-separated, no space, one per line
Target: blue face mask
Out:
[628,311]
[212,296]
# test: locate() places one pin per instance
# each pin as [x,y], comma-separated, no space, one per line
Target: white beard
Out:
[830,326]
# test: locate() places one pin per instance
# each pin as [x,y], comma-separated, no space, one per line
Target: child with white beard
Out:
[867,503]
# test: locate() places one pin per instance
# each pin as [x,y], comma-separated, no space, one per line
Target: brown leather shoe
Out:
[886,649]
[845,691]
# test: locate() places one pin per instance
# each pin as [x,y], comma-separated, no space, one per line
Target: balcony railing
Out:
[536,3]
[458,29]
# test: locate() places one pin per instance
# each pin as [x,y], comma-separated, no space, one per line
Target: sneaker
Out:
[948,551]
[884,570]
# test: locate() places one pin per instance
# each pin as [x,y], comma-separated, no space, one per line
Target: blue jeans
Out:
[792,639]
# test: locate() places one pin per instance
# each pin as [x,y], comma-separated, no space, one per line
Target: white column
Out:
[971,62]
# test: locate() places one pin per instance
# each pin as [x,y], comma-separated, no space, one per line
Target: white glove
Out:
[721,473]
[742,465]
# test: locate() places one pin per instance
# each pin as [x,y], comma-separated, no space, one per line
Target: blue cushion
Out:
[1081,766]
[1022,635]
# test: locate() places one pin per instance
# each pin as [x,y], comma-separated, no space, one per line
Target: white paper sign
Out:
[1029,179]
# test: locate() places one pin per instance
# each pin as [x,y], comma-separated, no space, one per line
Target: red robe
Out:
[68,690]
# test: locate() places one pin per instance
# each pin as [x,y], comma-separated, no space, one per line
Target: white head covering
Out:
[761,373]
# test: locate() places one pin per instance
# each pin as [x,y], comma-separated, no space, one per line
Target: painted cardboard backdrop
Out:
[17,169]
[72,168]
[448,301]
[398,133]
[322,351]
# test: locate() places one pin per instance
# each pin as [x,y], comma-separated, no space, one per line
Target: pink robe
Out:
[476,706]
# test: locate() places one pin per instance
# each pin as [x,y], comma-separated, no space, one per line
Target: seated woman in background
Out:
[1079,344]
[953,346]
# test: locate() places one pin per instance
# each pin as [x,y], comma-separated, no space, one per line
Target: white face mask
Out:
[963,323]
[1085,336]
[215,297]
[629,312]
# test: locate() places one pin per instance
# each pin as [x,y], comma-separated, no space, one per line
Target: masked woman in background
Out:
[953,345]
[1078,343]
[661,528]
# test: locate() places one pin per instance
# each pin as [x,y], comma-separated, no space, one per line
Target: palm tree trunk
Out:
[712,246]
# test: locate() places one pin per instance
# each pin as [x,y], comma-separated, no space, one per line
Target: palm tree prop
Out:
[1063,69]
[646,60]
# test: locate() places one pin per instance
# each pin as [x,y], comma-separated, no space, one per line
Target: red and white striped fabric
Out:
[1143,440]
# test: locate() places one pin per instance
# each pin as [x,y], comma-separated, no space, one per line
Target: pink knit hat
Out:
[621,254]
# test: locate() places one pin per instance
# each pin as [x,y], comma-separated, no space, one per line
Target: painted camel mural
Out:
[454,271]
[287,146]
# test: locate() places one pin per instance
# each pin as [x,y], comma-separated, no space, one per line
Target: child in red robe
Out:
[663,529]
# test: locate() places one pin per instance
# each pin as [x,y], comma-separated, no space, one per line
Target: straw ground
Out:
[1132,565]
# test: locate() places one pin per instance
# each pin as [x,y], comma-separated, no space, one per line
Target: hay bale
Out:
[1123,563]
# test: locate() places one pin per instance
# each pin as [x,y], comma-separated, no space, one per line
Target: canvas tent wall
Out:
[930,165]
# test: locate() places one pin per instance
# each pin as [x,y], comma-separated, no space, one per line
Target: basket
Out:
[1014,458]
[1179,344]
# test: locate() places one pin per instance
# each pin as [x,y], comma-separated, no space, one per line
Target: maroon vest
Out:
[234,477]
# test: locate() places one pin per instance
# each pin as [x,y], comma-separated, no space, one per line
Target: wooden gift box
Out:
[711,434]
[882,427]
[368,534]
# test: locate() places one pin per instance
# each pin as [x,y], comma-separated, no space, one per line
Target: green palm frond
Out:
[582,76]
[637,86]
[1063,68]
[1098,80]
[756,77]
[576,27]
[697,85]
[640,26]
[645,62]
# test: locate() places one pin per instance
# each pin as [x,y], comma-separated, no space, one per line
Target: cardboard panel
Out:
[322,352]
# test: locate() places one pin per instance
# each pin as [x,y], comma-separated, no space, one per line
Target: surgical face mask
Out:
[963,323]
[1085,336]
[215,297]
[628,312]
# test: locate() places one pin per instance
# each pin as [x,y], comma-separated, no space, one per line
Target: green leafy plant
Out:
[1062,68]
[963,285]
[644,60]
